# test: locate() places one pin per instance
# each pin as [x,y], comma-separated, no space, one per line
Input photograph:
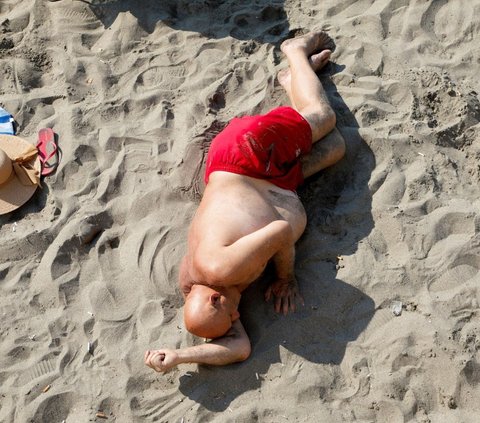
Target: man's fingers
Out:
[278,304]
[268,294]
[300,298]
[154,359]
[285,300]
[148,360]
[159,357]
[292,305]
[157,361]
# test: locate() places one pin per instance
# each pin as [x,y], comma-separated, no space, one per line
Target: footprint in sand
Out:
[77,175]
[242,89]
[151,314]
[67,291]
[271,20]
[55,408]
[74,16]
[148,407]
[391,191]
[42,372]
[15,21]
[109,303]
[451,22]
[389,412]
[376,327]
[166,78]
[153,319]
[16,355]
[157,256]
[471,374]
[448,232]
[453,278]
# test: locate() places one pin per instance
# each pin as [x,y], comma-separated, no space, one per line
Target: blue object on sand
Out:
[6,123]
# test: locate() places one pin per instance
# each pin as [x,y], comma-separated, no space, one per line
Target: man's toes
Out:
[319,60]
[283,76]
[325,41]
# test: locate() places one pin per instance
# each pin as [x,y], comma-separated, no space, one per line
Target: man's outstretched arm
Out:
[230,348]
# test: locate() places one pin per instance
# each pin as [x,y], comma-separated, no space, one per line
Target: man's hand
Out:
[161,360]
[285,293]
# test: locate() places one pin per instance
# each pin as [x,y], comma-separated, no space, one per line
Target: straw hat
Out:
[19,172]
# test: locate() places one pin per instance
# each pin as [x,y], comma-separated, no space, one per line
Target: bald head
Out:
[205,313]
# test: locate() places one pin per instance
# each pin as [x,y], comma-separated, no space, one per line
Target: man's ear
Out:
[214,298]
[235,315]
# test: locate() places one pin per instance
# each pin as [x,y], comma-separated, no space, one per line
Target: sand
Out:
[135,91]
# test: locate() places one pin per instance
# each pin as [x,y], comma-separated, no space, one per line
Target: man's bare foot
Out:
[310,43]
[317,62]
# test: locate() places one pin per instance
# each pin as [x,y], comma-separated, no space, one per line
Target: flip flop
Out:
[47,151]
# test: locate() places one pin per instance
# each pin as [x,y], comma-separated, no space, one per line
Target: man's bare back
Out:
[243,222]
[239,205]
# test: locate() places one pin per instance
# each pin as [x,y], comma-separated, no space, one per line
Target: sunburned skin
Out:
[243,223]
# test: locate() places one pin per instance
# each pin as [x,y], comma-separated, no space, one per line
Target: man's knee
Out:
[324,153]
[322,120]
[338,145]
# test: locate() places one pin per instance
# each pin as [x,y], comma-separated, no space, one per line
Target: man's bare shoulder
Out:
[185,281]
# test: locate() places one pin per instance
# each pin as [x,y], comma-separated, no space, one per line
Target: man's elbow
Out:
[214,270]
[243,351]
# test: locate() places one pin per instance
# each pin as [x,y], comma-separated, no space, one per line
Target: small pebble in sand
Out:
[397,308]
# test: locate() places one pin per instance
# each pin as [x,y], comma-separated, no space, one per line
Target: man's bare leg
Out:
[306,90]
[332,147]
[324,154]
[317,62]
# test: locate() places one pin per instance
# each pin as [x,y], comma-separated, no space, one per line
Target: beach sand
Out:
[136,91]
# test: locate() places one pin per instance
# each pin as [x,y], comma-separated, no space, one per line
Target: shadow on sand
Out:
[263,20]
[33,206]
[338,205]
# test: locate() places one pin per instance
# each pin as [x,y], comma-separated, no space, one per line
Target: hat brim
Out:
[13,193]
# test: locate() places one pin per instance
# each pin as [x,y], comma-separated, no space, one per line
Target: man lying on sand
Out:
[250,213]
